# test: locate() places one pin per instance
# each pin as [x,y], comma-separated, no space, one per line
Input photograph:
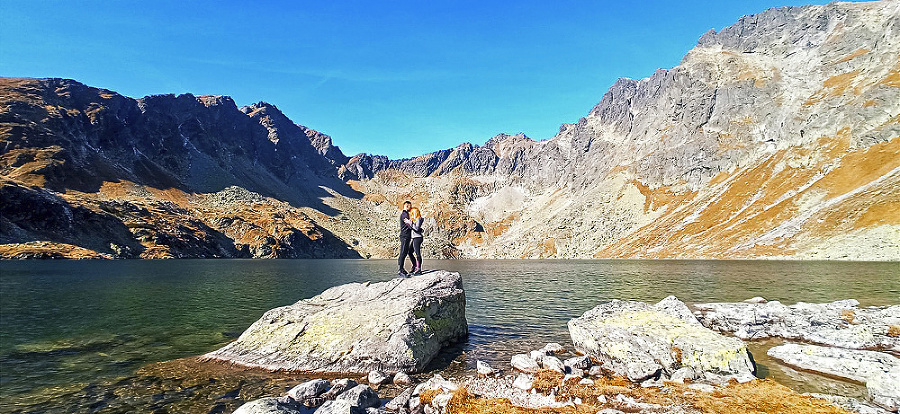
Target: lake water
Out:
[84,336]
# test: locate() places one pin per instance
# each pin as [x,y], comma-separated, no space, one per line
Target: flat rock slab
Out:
[884,389]
[638,340]
[398,325]
[842,323]
[853,364]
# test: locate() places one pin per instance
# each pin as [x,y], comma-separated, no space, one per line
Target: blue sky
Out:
[397,78]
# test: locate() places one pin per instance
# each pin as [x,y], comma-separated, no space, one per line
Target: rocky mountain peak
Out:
[776,136]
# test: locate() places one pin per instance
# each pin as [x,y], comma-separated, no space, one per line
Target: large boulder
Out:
[639,341]
[398,325]
[853,364]
[841,323]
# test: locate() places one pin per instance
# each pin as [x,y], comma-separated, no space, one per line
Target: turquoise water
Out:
[71,326]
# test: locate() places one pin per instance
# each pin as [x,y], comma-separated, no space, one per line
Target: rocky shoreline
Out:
[628,356]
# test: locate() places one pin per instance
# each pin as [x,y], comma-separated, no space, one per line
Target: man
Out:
[405,234]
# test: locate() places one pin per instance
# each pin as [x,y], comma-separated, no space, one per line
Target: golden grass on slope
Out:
[662,196]
[854,55]
[783,187]
[758,396]
[834,86]
[893,78]
[47,249]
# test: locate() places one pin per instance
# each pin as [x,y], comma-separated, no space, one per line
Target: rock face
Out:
[840,324]
[641,341]
[750,147]
[159,177]
[398,325]
[857,365]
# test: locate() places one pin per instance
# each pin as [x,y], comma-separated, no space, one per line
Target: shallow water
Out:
[75,333]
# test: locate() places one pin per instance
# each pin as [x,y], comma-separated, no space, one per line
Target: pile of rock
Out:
[851,340]
[319,395]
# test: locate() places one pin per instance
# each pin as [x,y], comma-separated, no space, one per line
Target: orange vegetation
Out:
[497,228]
[834,86]
[848,315]
[740,207]
[48,250]
[893,78]
[662,196]
[548,247]
[758,396]
[854,55]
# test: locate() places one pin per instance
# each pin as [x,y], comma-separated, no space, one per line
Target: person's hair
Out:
[414,214]
[407,202]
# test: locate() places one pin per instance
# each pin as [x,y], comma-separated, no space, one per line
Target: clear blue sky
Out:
[398,78]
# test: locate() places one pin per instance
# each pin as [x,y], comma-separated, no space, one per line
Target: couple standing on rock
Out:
[410,239]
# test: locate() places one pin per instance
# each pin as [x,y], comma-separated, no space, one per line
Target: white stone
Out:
[553,363]
[377,378]
[523,382]
[484,369]
[884,389]
[524,363]
[853,364]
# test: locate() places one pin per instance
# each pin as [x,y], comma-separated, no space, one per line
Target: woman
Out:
[415,254]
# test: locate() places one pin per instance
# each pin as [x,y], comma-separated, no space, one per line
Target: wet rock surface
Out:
[398,325]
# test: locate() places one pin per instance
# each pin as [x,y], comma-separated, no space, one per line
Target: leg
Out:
[417,250]
[404,251]
[412,258]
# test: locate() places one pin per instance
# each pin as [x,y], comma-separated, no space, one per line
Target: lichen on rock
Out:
[640,341]
[398,325]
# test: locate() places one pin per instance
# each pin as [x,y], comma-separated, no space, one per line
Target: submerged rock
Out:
[841,323]
[524,363]
[398,325]
[484,369]
[853,364]
[309,389]
[640,341]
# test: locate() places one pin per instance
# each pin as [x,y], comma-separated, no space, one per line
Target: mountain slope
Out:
[162,176]
[777,137]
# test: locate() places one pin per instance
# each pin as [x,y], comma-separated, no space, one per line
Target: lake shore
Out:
[70,352]
[627,355]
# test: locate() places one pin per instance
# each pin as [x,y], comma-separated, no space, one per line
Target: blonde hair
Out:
[414,214]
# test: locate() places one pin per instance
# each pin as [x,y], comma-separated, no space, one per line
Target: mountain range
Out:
[777,137]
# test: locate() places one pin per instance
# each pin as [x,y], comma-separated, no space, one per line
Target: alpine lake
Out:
[122,336]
